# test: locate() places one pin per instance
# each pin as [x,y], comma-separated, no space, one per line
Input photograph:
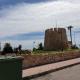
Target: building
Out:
[55,39]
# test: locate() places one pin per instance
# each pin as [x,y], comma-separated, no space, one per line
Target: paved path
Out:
[49,67]
[70,73]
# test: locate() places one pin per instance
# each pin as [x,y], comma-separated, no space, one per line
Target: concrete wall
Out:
[55,39]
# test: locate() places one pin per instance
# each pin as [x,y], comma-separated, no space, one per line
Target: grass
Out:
[42,52]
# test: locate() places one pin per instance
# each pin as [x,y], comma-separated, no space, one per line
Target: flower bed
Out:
[37,60]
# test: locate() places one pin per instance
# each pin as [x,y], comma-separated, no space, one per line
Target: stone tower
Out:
[55,39]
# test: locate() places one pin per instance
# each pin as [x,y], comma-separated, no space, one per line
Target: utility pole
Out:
[74,39]
[70,29]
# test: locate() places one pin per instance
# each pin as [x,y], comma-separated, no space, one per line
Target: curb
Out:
[49,71]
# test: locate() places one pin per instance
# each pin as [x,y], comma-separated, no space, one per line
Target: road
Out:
[70,73]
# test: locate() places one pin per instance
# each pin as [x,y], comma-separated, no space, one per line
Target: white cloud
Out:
[72,1]
[39,16]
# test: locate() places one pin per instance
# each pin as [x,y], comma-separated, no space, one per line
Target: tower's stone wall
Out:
[55,39]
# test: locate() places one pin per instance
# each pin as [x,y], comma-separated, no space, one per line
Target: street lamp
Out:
[33,44]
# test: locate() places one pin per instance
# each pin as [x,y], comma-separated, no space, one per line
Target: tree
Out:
[40,46]
[7,49]
[34,49]
[20,48]
[16,50]
[74,47]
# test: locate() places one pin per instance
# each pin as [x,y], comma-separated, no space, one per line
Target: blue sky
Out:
[25,36]
[27,16]
[15,2]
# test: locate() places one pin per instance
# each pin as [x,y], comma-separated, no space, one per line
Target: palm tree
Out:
[70,29]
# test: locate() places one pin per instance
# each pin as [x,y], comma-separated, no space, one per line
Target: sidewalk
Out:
[49,67]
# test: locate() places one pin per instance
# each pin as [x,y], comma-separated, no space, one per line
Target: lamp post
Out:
[33,45]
